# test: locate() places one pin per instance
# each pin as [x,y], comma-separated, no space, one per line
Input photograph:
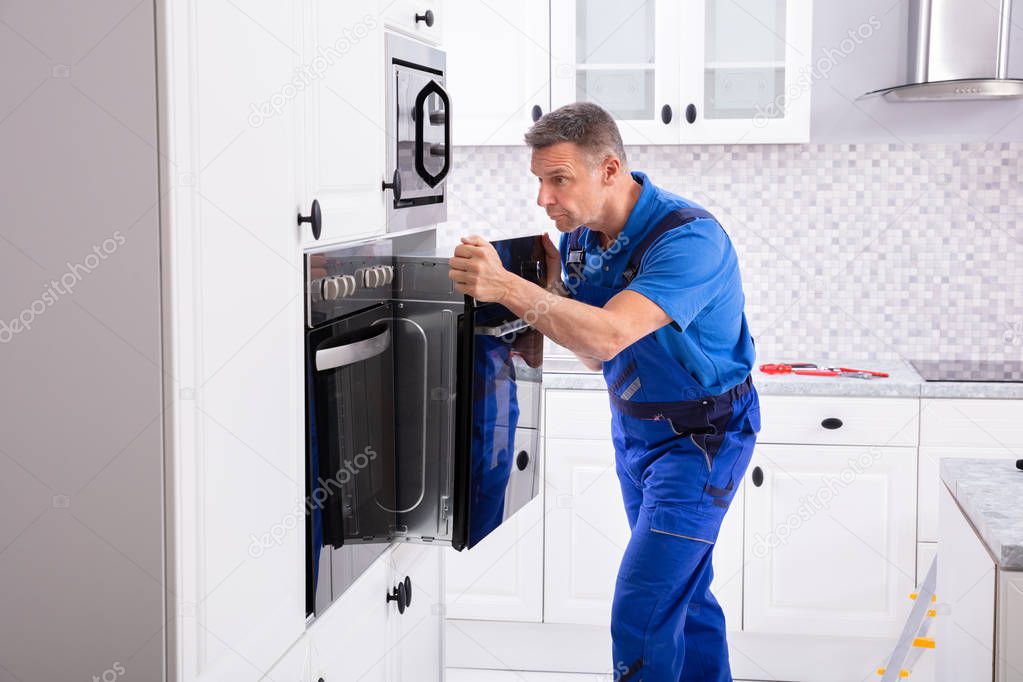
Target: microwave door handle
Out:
[432,88]
[356,351]
[516,325]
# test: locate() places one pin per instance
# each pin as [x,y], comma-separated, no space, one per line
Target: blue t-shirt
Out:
[692,273]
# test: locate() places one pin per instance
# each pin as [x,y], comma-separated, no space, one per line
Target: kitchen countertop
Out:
[990,493]
[562,371]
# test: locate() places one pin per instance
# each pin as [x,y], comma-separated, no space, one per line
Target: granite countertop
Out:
[990,493]
[565,371]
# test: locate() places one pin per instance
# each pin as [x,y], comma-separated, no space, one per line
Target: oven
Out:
[422,407]
[418,128]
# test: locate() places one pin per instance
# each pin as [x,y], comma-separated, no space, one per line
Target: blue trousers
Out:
[663,606]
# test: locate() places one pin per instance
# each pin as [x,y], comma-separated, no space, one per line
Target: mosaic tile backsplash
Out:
[849,253]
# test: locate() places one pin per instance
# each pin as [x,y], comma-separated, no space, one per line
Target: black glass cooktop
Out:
[970,370]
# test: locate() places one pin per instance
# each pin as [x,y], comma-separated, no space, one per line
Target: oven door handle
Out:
[516,325]
[432,88]
[356,351]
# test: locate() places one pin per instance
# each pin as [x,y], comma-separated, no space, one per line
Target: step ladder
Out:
[914,640]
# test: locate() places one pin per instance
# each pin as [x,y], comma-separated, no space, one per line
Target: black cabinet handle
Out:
[399,596]
[758,476]
[427,17]
[536,112]
[315,219]
[522,460]
[408,591]
[432,88]
[394,185]
[832,423]
[691,113]
[666,114]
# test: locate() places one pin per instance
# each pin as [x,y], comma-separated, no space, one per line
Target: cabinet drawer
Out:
[973,423]
[578,414]
[839,420]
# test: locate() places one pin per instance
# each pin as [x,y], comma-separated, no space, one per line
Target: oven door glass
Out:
[496,472]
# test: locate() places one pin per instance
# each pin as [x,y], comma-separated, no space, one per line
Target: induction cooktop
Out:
[970,370]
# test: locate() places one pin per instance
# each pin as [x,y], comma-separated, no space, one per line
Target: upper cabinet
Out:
[624,56]
[689,71]
[498,69]
[422,19]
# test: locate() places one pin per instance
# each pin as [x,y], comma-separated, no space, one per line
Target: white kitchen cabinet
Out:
[990,429]
[417,643]
[501,578]
[338,96]
[293,666]
[623,56]
[1010,626]
[412,17]
[965,631]
[692,71]
[830,540]
[499,68]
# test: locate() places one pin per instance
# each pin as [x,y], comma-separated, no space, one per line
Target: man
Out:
[651,296]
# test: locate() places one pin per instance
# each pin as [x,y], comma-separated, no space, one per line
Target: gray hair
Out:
[583,123]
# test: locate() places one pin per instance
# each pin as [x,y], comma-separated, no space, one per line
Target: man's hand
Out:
[476,270]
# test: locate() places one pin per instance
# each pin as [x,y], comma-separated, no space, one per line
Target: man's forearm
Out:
[584,329]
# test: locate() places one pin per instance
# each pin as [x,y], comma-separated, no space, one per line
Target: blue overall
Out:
[680,453]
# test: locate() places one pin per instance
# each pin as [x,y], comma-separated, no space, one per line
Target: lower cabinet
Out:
[362,636]
[830,540]
[293,666]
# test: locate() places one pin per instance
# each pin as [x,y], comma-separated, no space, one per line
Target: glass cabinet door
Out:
[748,79]
[622,55]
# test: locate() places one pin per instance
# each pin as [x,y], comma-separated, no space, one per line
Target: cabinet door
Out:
[744,71]
[416,646]
[234,381]
[499,68]
[966,585]
[293,665]
[501,578]
[586,531]
[354,638]
[339,97]
[410,16]
[622,55]
[830,542]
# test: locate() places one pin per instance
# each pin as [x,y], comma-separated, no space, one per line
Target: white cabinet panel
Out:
[352,639]
[340,107]
[470,675]
[853,421]
[586,531]
[293,665]
[417,643]
[995,425]
[499,68]
[1010,626]
[966,583]
[501,578]
[830,541]
[578,414]
[410,17]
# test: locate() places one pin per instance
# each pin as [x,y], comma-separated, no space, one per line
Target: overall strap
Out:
[575,259]
[676,218]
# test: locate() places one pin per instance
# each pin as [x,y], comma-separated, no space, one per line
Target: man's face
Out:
[571,190]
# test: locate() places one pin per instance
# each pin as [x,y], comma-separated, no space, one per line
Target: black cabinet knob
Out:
[691,113]
[398,595]
[666,114]
[426,17]
[315,219]
[394,185]
[536,112]
[758,476]
[832,423]
[522,460]
[408,591]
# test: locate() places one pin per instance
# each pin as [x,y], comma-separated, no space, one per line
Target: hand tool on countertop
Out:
[810,369]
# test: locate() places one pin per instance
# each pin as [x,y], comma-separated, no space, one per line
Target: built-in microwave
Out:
[418,126]
[422,407]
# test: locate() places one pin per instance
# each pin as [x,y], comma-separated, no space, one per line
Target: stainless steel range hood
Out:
[958,49]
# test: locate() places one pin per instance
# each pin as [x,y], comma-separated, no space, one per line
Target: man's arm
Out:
[591,363]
